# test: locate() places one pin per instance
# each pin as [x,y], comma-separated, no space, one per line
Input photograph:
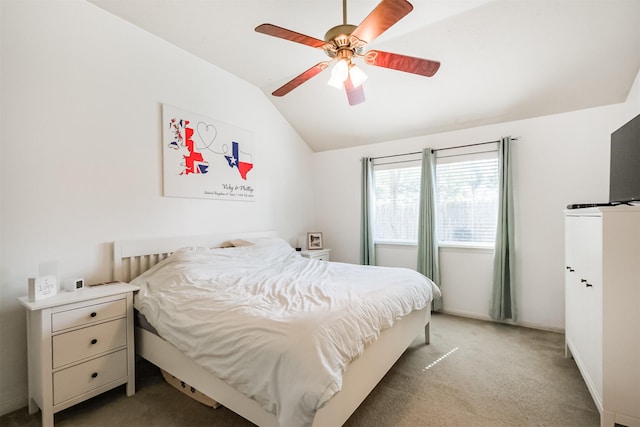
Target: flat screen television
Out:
[624,179]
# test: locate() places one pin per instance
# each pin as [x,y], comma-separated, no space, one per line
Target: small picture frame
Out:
[314,241]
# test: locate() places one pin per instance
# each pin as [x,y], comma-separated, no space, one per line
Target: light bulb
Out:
[357,75]
[339,74]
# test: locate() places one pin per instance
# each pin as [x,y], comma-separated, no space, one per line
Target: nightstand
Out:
[319,254]
[80,344]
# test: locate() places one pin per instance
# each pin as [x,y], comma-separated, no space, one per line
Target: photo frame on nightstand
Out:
[314,240]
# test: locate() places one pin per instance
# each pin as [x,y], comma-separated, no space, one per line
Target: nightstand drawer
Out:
[72,346]
[88,376]
[89,314]
[317,254]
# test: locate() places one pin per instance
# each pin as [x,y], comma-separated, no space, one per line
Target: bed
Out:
[143,259]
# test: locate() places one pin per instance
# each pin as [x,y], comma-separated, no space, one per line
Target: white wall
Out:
[632,105]
[558,159]
[81,159]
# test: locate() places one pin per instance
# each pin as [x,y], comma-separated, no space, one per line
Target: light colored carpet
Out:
[474,373]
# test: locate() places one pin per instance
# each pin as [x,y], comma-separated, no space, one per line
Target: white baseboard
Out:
[506,322]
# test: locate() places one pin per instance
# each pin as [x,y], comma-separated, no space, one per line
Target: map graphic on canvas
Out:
[205,158]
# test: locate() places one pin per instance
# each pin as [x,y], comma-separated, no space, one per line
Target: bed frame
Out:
[133,257]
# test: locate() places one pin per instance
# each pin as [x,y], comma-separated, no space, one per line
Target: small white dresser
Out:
[319,254]
[80,344]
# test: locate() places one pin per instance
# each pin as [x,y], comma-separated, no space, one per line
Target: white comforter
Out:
[277,327]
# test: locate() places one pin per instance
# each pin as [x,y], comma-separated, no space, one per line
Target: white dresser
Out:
[602,307]
[80,344]
[319,254]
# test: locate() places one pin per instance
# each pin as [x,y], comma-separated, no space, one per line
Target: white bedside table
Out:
[319,254]
[80,344]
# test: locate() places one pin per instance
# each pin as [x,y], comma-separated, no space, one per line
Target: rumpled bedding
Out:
[277,327]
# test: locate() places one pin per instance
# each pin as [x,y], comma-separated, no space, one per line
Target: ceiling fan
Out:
[344,43]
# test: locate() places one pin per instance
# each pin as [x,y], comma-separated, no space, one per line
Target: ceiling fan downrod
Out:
[344,12]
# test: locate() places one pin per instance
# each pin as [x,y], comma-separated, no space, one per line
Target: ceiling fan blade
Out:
[297,81]
[283,33]
[385,14]
[355,95]
[408,64]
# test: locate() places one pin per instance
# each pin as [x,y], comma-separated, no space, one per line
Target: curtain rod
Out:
[439,149]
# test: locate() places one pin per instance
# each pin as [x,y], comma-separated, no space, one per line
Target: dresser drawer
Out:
[76,380]
[72,346]
[86,315]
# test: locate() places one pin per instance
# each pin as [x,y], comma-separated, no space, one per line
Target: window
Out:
[396,201]
[466,199]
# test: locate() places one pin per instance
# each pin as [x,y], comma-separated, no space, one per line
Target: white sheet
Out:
[277,327]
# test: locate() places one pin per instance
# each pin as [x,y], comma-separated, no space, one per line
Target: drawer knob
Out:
[93,314]
[94,375]
[94,341]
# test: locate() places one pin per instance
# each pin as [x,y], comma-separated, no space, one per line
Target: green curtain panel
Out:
[367,248]
[503,301]
[428,261]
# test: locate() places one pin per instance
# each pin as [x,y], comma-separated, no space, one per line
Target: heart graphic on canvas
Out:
[207,134]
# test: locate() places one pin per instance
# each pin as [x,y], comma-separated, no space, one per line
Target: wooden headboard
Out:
[133,257]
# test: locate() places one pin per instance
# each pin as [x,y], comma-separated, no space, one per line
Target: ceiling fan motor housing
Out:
[340,34]
[341,44]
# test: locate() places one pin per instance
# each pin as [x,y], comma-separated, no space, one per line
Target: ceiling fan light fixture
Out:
[339,74]
[357,75]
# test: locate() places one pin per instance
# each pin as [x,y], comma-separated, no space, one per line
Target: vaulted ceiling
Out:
[501,60]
